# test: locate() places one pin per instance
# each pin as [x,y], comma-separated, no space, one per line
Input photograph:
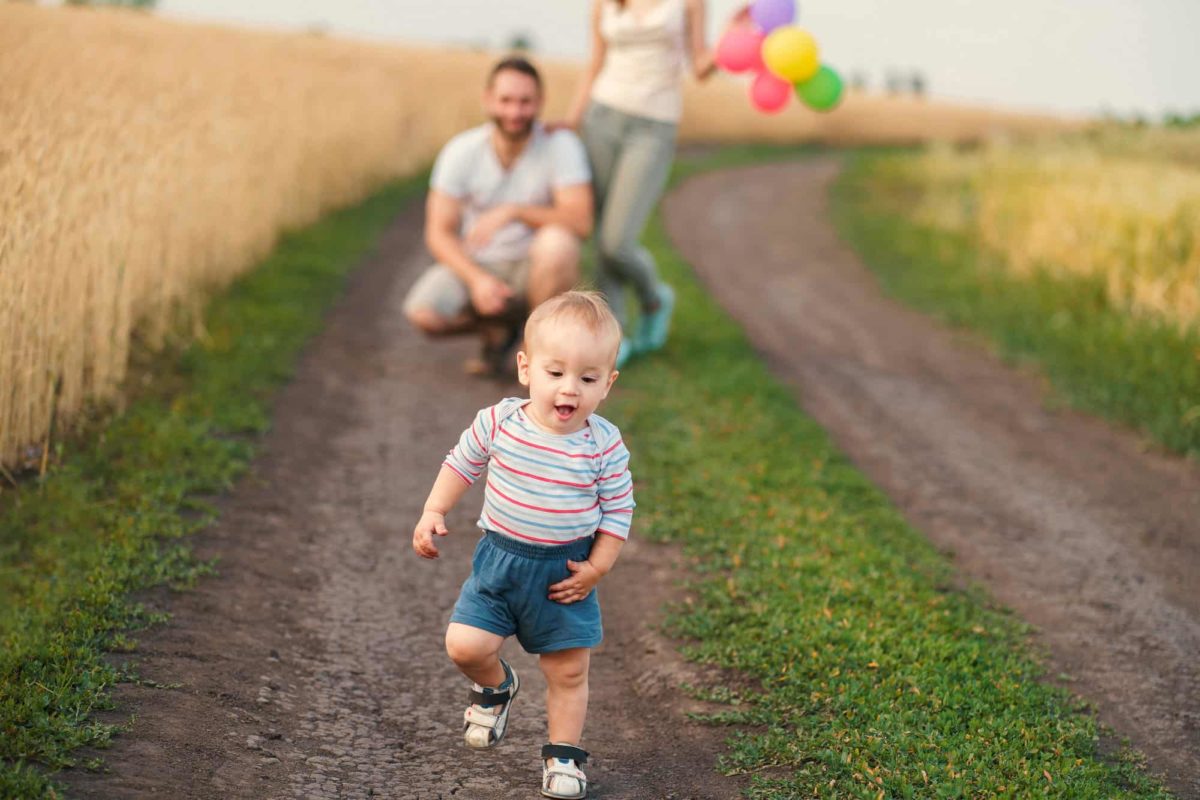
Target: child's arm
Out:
[447,490]
[615,490]
[586,574]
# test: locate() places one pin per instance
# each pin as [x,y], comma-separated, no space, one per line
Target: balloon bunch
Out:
[783,57]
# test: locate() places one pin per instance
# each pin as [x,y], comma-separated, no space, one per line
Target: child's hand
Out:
[584,578]
[431,524]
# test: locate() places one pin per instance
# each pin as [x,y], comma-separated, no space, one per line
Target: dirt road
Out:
[312,666]
[1085,531]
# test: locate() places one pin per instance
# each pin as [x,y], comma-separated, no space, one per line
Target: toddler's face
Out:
[568,370]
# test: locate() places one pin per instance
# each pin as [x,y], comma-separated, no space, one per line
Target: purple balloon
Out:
[770,14]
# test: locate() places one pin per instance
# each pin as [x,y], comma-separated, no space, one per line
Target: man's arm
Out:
[443,220]
[572,209]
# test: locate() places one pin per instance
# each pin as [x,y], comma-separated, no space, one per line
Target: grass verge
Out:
[113,516]
[869,675]
[1142,373]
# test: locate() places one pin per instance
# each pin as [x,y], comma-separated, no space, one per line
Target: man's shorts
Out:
[506,595]
[441,291]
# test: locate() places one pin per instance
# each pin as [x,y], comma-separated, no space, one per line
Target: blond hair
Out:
[585,307]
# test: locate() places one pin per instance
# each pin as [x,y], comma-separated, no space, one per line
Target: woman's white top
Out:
[644,60]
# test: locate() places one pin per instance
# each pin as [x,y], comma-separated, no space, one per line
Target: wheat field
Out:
[1120,205]
[145,163]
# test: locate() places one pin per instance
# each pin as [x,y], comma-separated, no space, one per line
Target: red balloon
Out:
[740,49]
[769,93]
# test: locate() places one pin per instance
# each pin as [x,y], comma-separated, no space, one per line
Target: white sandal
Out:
[483,726]
[562,778]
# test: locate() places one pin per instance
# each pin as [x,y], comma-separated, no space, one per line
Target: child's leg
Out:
[566,674]
[476,653]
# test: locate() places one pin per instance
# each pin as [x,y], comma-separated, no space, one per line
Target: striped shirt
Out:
[543,487]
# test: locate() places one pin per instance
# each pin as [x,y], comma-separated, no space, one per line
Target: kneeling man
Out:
[508,206]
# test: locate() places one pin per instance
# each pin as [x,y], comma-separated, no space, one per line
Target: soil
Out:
[1087,532]
[312,664]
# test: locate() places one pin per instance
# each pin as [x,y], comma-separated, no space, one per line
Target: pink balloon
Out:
[740,49]
[769,93]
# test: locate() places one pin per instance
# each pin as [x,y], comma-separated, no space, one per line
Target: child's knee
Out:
[465,650]
[568,669]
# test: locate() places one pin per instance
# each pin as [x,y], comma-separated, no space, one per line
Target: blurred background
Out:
[156,151]
[1067,56]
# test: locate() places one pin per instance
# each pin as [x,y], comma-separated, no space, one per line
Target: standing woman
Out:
[627,109]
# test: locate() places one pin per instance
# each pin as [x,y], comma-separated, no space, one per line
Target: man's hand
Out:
[584,578]
[431,524]
[489,223]
[489,295]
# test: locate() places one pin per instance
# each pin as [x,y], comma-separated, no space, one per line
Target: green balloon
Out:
[822,91]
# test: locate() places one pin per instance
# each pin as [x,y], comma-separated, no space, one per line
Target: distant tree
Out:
[1175,119]
[917,82]
[520,42]
[894,82]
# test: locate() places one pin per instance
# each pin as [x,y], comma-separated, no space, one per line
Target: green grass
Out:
[113,516]
[863,672]
[1098,358]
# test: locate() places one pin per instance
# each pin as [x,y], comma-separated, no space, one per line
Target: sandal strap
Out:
[564,751]
[493,699]
[481,718]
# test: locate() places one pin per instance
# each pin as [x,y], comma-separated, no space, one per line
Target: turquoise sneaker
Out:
[625,351]
[656,324]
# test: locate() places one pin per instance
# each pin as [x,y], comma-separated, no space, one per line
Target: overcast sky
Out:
[1065,55]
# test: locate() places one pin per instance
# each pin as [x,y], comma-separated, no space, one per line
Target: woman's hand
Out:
[567,124]
[739,18]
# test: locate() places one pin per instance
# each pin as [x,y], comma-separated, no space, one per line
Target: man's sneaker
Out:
[496,356]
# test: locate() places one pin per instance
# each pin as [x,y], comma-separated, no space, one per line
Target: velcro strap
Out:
[564,751]
[481,718]
[493,699]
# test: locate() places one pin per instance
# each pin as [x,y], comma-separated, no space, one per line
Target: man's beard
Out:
[519,135]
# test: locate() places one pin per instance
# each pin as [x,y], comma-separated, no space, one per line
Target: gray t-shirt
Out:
[467,169]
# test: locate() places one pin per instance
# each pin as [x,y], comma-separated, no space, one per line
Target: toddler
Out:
[557,508]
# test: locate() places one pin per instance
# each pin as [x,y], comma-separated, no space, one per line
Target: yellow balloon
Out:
[791,53]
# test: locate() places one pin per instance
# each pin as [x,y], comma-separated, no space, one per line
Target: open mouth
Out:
[564,412]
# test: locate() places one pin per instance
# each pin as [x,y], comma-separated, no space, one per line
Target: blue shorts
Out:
[506,594]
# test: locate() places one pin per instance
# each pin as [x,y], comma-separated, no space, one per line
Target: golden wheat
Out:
[145,163]
[1116,205]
